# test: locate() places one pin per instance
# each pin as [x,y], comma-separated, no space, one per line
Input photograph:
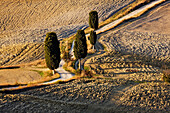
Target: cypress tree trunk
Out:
[93,47]
[80,63]
[53,72]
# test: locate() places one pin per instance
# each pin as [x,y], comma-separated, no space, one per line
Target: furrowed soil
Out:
[130,70]
[26,22]
[137,53]
[146,36]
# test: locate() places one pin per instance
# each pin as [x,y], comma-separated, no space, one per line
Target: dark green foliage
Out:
[66,56]
[52,51]
[93,37]
[93,19]
[80,46]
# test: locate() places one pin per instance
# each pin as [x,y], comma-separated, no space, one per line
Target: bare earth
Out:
[135,54]
[132,79]
[24,23]
[18,76]
[148,36]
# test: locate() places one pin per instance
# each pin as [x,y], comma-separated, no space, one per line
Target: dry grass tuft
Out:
[166,75]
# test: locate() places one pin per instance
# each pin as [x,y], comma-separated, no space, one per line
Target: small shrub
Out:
[166,76]
[66,56]
[86,68]
[86,73]
[78,72]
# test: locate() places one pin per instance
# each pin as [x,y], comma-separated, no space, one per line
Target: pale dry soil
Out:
[136,53]
[141,82]
[92,96]
[112,64]
[24,24]
[130,83]
[21,53]
[25,21]
[18,76]
[120,90]
[146,36]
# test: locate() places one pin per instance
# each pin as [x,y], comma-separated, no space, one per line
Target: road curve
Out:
[67,75]
[64,75]
[133,14]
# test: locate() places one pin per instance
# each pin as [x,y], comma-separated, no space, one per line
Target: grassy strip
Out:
[69,66]
[47,76]
[66,43]
[124,11]
[39,72]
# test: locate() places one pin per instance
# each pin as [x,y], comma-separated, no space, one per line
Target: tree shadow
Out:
[22,90]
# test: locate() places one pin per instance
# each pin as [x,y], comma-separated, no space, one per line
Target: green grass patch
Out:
[86,68]
[39,72]
[43,73]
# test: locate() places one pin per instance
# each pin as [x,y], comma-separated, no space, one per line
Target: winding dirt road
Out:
[133,14]
[66,75]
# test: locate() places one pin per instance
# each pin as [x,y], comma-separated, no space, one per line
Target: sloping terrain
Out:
[113,64]
[90,96]
[156,21]
[147,36]
[136,53]
[130,83]
[21,53]
[24,24]
[30,20]
[18,76]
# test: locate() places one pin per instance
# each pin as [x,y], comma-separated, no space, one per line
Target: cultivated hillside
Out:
[29,20]
[127,76]
[148,35]
[24,24]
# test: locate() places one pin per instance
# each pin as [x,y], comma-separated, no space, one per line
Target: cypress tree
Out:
[93,20]
[80,46]
[52,51]
[93,38]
